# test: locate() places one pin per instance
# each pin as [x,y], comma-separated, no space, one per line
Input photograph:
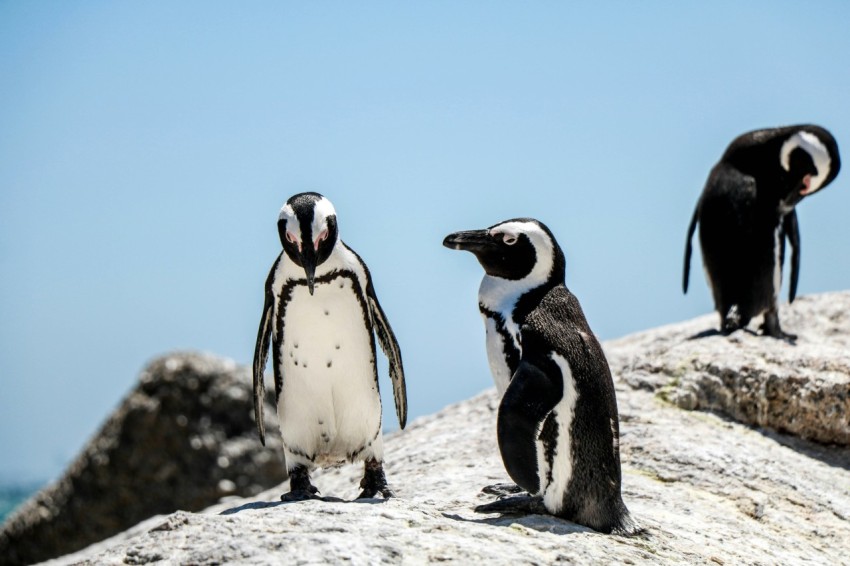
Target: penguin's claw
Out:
[519,505]
[502,489]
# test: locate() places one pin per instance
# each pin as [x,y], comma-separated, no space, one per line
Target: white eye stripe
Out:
[809,143]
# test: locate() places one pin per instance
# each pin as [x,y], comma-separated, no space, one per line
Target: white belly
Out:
[496,356]
[329,407]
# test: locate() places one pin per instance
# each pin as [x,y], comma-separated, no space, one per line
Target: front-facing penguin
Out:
[558,428]
[745,213]
[322,315]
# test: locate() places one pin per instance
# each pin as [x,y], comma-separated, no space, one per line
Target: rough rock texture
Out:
[708,490]
[182,439]
[801,388]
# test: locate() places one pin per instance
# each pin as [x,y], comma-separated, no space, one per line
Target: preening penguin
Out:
[558,428]
[321,314]
[745,213]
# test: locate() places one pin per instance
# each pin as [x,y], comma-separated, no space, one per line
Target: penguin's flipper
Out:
[791,230]
[390,347]
[528,400]
[261,352]
[691,229]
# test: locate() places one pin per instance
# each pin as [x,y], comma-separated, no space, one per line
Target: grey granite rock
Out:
[801,388]
[182,439]
[709,490]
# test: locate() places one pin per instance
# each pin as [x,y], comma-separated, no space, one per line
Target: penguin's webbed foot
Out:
[770,327]
[502,489]
[779,335]
[374,481]
[519,505]
[300,488]
[301,494]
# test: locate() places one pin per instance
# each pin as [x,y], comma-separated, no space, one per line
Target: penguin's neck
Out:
[503,296]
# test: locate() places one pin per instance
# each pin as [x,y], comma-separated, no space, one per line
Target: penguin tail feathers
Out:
[628,527]
[612,518]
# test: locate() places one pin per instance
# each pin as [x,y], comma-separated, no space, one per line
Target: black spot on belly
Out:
[337,346]
[296,362]
[330,363]
[327,312]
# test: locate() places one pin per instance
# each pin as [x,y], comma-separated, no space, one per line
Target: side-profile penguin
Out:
[745,213]
[558,429]
[322,315]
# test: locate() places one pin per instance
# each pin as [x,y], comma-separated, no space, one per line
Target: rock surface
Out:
[709,490]
[182,439]
[801,388]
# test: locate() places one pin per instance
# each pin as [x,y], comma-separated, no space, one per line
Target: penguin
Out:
[321,316]
[747,211]
[557,425]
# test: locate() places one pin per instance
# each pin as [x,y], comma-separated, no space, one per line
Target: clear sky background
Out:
[146,148]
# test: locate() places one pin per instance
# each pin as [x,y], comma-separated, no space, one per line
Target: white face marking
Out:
[809,143]
[562,464]
[293,231]
[324,209]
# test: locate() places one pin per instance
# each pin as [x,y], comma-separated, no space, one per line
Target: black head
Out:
[788,163]
[810,160]
[308,231]
[514,250]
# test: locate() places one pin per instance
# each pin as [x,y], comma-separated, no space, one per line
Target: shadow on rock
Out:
[830,454]
[253,505]
[705,334]
[542,523]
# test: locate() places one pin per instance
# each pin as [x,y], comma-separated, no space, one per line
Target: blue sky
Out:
[146,148]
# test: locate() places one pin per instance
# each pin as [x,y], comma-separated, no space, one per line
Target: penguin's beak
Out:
[470,240]
[308,261]
[798,193]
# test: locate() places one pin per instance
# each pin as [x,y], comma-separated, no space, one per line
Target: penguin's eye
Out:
[323,235]
[509,239]
[290,237]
